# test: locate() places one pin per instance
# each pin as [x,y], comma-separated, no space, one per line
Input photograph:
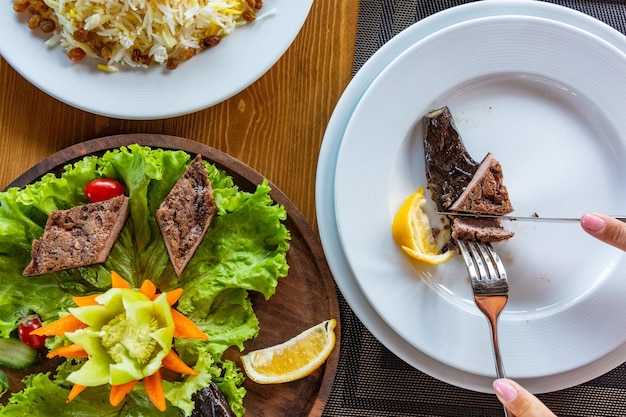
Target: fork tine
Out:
[478,261]
[472,268]
[486,254]
[481,262]
[496,261]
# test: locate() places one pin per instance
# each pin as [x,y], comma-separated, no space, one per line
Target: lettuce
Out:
[44,396]
[244,250]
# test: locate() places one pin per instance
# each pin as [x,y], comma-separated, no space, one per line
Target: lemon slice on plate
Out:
[293,359]
[412,231]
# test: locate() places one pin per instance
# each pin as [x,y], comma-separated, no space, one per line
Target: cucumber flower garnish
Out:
[126,336]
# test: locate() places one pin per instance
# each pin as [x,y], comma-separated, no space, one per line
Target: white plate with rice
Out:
[210,77]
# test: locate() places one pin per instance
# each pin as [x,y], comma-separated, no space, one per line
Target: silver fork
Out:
[491,289]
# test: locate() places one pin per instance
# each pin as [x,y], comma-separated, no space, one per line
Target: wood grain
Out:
[304,298]
[276,125]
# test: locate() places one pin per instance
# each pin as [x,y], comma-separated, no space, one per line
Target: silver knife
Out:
[521,218]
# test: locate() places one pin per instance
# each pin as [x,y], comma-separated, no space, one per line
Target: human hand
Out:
[605,228]
[514,397]
[519,401]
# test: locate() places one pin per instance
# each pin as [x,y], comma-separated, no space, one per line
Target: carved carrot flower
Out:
[126,336]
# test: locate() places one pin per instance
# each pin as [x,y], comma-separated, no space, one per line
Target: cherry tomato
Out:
[102,189]
[27,325]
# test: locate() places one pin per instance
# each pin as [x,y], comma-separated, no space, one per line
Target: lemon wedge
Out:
[412,231]
[293,359]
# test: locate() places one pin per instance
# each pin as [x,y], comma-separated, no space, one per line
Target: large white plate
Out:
[520,91]
[209,78]
[440,358]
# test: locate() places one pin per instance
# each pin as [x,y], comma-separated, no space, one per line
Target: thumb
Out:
[519,401]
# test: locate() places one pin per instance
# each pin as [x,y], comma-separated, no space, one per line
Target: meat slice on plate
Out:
[479,230]
[457,183]
[79,236]
[486,192]
[186,213]
[449,167]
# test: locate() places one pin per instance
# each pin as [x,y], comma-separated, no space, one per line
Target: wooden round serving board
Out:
[304,298]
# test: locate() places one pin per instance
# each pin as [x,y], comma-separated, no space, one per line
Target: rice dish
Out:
[137,33]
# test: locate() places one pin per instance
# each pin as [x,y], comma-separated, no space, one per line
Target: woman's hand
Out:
[605,228]
[519,401]
[515,398]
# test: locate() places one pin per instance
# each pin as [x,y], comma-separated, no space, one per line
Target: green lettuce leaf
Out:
[43,396]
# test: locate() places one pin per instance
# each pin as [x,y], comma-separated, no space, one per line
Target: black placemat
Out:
[372,381]
[380,20]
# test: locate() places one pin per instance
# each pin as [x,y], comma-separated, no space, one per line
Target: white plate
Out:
[207,79]
[444,363]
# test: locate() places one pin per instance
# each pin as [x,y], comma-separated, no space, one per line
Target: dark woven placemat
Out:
[372,381]
[380,20]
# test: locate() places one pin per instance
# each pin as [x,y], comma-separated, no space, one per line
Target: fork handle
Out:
[492,306]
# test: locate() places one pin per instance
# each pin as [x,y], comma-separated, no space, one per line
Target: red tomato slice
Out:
[102,189]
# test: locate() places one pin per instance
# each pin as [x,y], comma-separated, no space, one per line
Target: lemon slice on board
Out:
[293,359]
[412,231]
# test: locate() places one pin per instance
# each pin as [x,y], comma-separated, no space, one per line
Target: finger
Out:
[605,228]
[519,401]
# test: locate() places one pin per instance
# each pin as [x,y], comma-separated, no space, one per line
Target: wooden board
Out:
[304,298]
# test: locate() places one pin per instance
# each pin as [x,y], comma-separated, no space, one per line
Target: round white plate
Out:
[451,348]
[207,79]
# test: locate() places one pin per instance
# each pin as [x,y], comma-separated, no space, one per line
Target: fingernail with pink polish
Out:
[505,390]
[592,222]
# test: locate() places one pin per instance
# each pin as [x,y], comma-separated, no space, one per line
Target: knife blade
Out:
[520,218]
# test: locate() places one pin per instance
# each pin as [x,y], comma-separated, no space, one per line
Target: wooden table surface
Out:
[276,125]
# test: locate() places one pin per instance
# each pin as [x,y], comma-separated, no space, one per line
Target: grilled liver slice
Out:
[79,236]
[486,192]
[186,213]
[449,167]
[458,183]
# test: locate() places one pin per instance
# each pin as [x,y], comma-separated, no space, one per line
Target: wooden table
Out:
[276,126]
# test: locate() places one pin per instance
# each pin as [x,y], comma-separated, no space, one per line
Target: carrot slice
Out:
[63,325]
[154,389]
[148,289]
[118,282]
[70,351]
[173,362]
[174,295]
[118,392]
[185,328]
[87,300]
[76,389]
